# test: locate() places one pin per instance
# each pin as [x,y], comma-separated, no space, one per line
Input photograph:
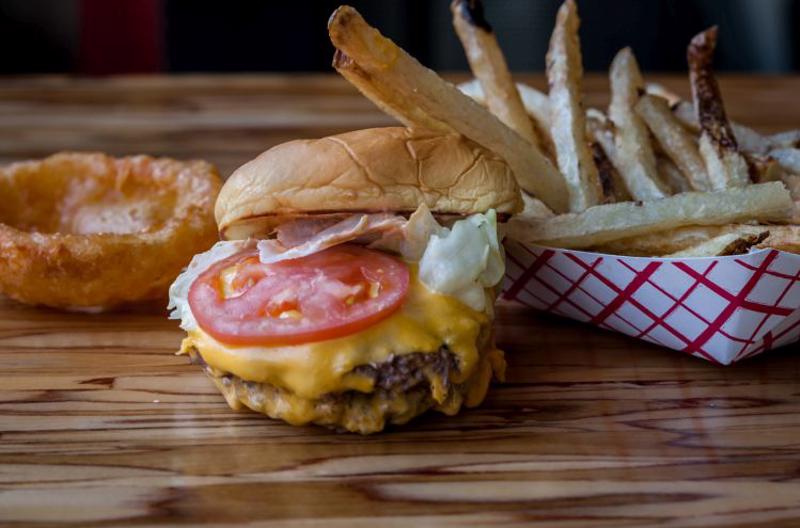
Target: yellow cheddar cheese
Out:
[426,321]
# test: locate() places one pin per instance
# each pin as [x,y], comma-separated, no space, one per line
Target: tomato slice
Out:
[329,294]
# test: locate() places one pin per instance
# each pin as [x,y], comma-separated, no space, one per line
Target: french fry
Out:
[632,140]
[684,112]
[604,171]
[489,66]
[783,238]
[765,169]
[674,140]
[604,223]
[787,139]
[792,182]
[747,139]
[603,136]
[383,68]
[614,189]
[670,174]
[673,240]
[601,132]
[788,158]
[659,90]
[781,165]
[727,244]
[536,105]
[388,101]
[726,167]
[534,208]
[596,116]
[568,127]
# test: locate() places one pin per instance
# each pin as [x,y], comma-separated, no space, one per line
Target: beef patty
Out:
[403,388]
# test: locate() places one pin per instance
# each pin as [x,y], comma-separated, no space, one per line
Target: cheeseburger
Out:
[355,283]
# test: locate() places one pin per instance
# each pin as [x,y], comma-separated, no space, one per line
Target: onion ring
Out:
[86,231]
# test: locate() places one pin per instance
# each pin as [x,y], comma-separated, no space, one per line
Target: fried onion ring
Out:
[86,231]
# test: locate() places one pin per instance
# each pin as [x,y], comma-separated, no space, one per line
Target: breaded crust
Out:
[88,232]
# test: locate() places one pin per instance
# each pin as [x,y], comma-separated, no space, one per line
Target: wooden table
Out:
[100,424]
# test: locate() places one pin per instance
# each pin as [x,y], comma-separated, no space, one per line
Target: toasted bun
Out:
[379,169]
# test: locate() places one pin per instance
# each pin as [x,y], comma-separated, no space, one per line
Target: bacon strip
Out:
[297,231]
[321,237]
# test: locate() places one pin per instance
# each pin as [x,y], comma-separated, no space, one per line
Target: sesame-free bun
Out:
[379,169]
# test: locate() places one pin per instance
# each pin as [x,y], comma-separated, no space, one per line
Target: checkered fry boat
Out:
[722,309]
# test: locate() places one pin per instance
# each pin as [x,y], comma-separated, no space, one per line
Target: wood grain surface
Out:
[102,425]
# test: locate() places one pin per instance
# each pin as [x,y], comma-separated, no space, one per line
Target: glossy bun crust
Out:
[380,169]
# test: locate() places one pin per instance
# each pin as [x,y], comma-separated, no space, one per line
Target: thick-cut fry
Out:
[787,139]
[747,139]
[783,238]
[792,182]
[675,141]
[614,189]
[788,158]
[604,170]
[534,208]
[674,240]
[635,152]
[684,112]
[604,223]
[535,102]
[726,167]
[659,90]
[728,244]
[568,128]
[489,66]
[669,173]
[765,169]
[383,68]
[599,118]
[601,132]
[388,101]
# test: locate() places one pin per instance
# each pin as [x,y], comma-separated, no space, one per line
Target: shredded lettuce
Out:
[412,238]
[179,291]
[465,260]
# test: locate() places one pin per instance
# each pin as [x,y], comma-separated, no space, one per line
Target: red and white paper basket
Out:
[722,309]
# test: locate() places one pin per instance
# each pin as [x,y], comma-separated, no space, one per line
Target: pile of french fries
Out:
[654,175]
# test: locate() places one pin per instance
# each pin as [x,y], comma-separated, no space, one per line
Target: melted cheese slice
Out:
[424,322]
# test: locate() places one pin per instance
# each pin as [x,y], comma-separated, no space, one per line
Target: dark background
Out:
[97,37]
